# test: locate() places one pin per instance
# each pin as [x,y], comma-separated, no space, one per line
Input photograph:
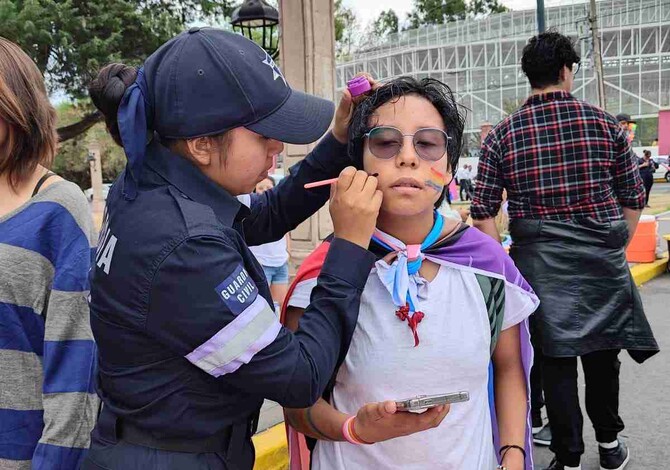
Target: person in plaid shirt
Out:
[575,197]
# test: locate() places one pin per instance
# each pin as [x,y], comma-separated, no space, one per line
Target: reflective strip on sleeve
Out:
[237,343]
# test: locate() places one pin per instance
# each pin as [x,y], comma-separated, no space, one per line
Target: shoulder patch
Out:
[238,290]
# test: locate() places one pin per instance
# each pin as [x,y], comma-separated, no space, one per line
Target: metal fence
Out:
[480,59]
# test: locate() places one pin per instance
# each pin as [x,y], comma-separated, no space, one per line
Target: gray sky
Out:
[367,10]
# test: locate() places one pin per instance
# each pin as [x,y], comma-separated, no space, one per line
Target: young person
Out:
[647,168]
[47,355]
[442,300]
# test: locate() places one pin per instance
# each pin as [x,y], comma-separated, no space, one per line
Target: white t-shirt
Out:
[463,174]
[453,355]
[271,254]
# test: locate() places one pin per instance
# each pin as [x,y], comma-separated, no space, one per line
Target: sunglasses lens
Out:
[385,142]
[430,144]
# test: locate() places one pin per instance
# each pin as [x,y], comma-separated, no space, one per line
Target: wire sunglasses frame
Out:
[421,153]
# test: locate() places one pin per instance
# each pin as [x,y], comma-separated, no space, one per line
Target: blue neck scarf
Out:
[399,278]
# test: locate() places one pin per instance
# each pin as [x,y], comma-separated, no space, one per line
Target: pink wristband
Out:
[346,431]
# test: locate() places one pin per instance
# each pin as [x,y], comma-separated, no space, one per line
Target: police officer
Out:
[189,344]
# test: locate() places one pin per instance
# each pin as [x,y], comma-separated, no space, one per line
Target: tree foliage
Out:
[385,24]
[432,12]
[478,8]
[70,40]
[70,161]
[347,30]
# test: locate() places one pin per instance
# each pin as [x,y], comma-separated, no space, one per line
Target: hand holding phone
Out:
[423,402]
[376,422]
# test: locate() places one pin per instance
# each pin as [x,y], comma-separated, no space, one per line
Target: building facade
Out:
[480,59]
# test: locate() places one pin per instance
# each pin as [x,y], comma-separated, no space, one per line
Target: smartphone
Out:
[423,402]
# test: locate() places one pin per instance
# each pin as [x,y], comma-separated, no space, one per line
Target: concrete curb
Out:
[645,272]
[271,447]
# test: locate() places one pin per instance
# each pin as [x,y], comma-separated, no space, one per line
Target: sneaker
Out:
[543,436]
[556,465]
[614,459]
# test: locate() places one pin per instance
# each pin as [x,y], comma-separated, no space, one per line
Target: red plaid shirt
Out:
[560,159]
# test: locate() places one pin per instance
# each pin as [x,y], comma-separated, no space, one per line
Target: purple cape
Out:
[477,252]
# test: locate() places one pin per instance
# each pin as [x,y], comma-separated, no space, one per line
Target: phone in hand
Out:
[423,402]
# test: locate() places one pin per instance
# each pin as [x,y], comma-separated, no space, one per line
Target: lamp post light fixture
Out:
[257,20]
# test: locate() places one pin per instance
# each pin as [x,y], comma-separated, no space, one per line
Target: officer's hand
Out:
[346,108]
[354,206]
[376,422]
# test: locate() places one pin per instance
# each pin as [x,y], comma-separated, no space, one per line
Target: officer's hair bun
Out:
[107,90]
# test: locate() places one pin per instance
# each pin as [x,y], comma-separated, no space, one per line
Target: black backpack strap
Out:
[39,184]
[493,290]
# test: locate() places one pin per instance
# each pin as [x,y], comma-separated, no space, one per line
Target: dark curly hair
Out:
[438,93]
[544,57]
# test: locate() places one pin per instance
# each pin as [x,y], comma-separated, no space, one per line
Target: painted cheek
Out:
[434,186]
[437,180]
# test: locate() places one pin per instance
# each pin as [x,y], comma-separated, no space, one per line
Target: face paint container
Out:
[358,86]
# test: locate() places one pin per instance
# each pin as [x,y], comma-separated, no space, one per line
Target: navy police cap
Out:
[207,81]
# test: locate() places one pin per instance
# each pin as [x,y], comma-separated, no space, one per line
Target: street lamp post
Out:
[257,21]
[95,165]
[540,16]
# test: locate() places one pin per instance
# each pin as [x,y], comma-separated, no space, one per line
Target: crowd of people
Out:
[156,346]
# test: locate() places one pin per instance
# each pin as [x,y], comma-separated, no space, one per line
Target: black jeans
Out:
[601,374]
[648,180]
[465,185]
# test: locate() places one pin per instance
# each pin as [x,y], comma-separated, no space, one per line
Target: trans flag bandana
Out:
[401,277]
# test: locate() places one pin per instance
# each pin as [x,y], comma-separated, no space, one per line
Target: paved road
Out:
[645,388]
[660,188]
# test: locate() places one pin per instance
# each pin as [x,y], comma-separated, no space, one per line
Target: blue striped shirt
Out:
[48,404]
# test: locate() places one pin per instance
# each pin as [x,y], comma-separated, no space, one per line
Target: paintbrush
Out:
[317,184]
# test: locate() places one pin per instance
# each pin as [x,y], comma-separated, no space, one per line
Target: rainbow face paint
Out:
[437,181]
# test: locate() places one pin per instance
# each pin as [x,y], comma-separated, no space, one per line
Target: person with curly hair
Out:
[442,304]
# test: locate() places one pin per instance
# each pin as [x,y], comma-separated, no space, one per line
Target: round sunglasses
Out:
[385,142]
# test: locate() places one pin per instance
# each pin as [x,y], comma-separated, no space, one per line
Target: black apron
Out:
[588,299]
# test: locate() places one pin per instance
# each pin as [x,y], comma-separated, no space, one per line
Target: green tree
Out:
[385,24]
[347,30]
[431,12]
[70,161]
[70,40]
[479,8]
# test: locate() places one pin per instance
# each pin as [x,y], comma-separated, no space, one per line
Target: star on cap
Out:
[276,73]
